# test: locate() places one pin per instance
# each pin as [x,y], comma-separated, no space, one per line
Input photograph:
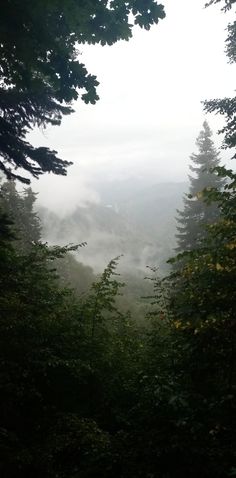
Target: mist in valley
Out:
[131,151]
[129,218]
[117,239]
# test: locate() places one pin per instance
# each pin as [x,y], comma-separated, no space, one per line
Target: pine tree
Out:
[19,207]
[31,225]
[196,212]
[11,204]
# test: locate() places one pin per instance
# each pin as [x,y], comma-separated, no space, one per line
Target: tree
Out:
[226,106]
[20,209]
[74,274]
[202,303]
[31,224]
[196,213]
[39,82]
[227,4]
[67,367]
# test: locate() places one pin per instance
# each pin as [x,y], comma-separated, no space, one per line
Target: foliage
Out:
[197,213]
[226,106]
[74,274]
[184,417]
[32,361]
[65,367]
[39,83]
[227,4]
[20,209]
[85,392]
[203,303]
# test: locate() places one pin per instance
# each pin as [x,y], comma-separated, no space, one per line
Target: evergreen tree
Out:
[197,213]
[11,202]
[202,305]
[30,225]
[19,207]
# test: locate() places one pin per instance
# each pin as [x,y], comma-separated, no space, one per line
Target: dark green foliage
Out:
[203,304]
[42,386]
[74,274]
[227,4]
[226,106]
[183,421]
[197,213]
[231,42]
[65,367]
[85,392]
[41,74]
[20,209]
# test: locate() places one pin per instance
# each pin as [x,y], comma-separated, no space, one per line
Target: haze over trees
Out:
[121,223]
[87,390]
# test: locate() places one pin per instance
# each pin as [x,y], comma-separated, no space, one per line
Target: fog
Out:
[150,111]
[115,361]
[141,132]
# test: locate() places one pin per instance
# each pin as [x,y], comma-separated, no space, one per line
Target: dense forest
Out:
[112,373]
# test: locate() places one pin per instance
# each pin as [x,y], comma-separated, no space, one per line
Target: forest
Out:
[111,370]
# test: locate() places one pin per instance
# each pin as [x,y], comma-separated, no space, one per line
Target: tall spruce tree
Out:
[19,207]
[196,212]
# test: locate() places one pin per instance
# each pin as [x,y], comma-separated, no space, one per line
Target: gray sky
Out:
[150,112]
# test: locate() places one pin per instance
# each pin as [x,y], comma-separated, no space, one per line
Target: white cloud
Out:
[149,113]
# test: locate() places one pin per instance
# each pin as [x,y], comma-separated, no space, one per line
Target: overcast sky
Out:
[150,112]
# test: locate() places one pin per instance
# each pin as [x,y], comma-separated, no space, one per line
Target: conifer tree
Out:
[31,225]
[196,212]
[19,207]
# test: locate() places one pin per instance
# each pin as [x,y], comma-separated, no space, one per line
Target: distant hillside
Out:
[150,208]
[133,219]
